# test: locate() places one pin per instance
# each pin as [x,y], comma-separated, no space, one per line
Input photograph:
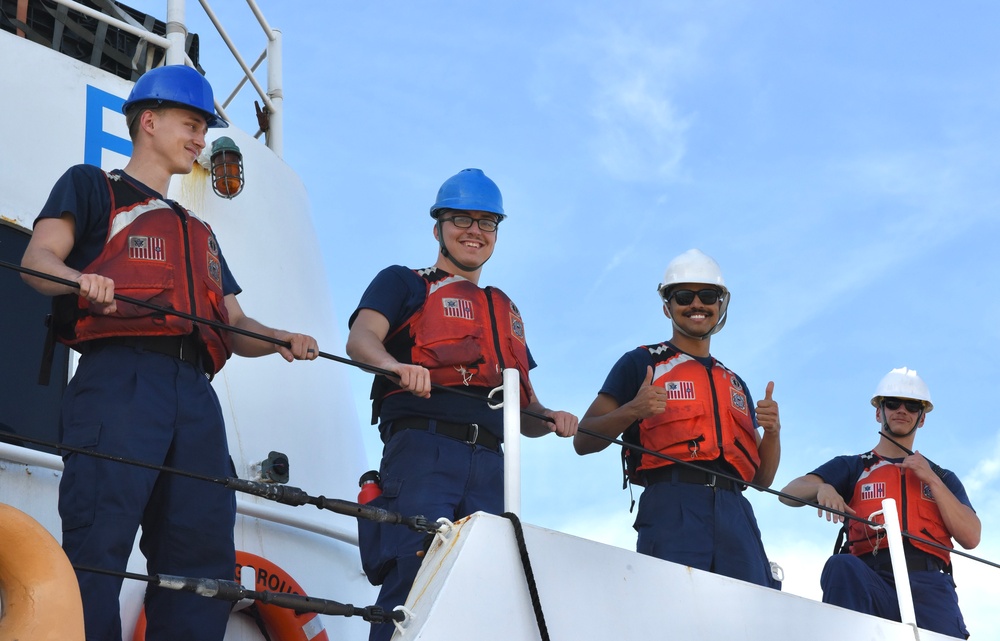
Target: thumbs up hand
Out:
[767,412]
[650,400]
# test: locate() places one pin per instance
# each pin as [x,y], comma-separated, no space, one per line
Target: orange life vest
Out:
[164,255]
[464,334]
[707,414]
[918,511]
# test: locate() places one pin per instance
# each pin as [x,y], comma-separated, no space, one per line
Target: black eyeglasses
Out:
[685,297]
[892,404]
[464,222]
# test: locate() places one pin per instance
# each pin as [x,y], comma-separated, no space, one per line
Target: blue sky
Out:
[837,159]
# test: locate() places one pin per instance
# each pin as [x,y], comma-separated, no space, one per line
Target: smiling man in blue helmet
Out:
[932,505]
[680,401]
[442,455]
[142,388]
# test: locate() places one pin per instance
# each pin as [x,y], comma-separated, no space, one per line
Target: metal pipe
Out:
[512,441]
[276,128]
[236,54]
[261,19]
[148,36]
[243,81]
[898,558]
[176,32]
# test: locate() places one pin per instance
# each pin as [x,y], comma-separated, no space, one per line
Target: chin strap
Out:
[885,424]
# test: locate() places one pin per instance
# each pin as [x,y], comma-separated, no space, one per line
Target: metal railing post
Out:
[176,32]
[276,132]
[512,441]
[898,558]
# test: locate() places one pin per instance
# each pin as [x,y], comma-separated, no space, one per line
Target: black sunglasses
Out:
[892,404]
[685,297]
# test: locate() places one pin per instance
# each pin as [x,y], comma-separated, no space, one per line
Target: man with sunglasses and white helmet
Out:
[142,389]
[442,455]
[933,507]
[675,399]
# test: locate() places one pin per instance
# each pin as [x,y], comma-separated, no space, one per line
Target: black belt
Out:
[186,348]
[469,433]
[917,563]
[681,474]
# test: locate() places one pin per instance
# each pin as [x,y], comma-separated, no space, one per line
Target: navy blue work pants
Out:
[157,409]
[847,581]
[433,476]
[703,527]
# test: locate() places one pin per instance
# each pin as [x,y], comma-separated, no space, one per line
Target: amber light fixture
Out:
[227,168]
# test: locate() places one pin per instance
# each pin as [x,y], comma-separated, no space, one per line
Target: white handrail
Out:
[149,36]
[236,54]
[173,45]
[898,557]
[512,441]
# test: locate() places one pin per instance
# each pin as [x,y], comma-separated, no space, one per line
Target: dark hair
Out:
[134,111]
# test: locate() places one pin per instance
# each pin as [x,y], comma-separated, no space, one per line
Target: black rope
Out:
[739,481]
[376,370]
[937,469]
[529,575]
[279,493]
[371,369]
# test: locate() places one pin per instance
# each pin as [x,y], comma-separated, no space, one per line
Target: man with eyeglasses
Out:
[675,400]
[442,455]
[933,508]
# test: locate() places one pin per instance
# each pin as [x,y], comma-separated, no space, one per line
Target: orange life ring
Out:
[282,624]
[41,597]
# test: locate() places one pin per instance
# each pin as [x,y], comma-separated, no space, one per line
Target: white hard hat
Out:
[694,266]
[903,383]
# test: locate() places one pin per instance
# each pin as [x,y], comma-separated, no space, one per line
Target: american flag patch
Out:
[680,391]
[458,308]
[871,491]
[145,248]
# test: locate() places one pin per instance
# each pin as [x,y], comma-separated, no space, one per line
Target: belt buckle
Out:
[713,480]
[474,432]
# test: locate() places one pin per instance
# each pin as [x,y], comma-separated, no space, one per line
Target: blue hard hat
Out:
[470,190]
[177,84]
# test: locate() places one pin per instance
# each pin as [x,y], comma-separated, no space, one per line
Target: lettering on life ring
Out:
[282,624]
